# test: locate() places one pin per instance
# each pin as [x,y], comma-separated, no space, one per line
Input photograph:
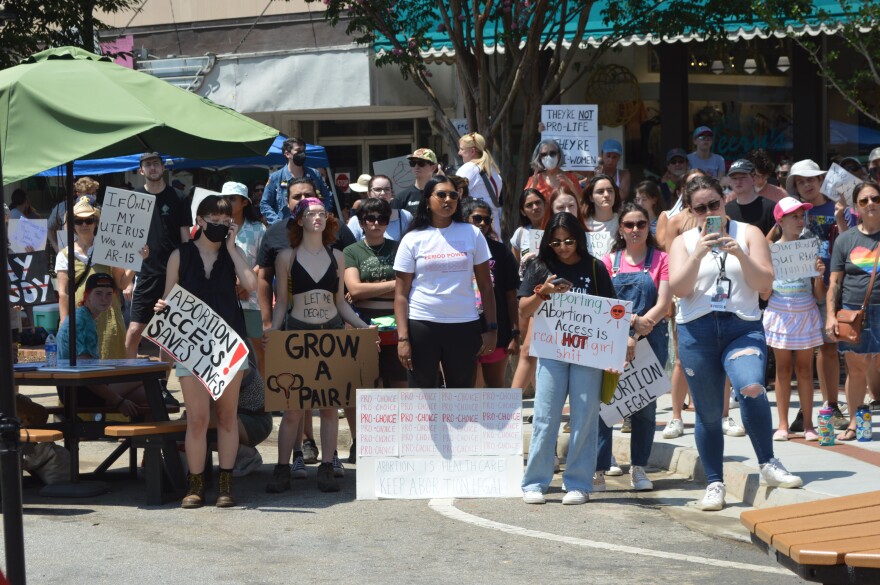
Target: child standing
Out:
[792,324]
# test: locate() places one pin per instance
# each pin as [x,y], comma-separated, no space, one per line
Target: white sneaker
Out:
[713,500]
[615,469]
[776,475]
[730,428]
[638,479]
[575,497]
[599,482]
[534,498]
[247,460]
[733,402]
[674,429]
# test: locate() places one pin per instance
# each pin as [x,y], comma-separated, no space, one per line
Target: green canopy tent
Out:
[65,104]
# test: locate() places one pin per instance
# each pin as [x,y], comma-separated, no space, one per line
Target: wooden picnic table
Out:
[834,541]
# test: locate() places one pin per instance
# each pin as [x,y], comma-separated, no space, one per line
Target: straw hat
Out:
[84,208]
[362,184]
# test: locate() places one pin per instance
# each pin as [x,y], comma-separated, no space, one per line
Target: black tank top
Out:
[218,291]
[301,281]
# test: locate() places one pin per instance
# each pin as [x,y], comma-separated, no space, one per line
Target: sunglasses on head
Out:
[701,209]
[875,199]
[630,225]
[446,195]
[87,221]
[418,163]
[476,218]
[566,242]
[380,219]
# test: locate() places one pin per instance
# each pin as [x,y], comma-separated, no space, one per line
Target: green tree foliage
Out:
[38,24]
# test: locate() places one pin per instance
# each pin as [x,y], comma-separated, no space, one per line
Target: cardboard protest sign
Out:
[27,233]
[319,369]
[793,260]
[839,182]
[123,229]
[643,380]
[582,329]
[29,281]
[198,339]
[599,243]
[398,170]
[431,443]
[576,129]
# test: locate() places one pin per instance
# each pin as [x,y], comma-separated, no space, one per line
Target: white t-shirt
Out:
[478,190]
[442,262]
[610,226]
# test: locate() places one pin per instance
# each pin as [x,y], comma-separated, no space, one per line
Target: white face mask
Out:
[549,162]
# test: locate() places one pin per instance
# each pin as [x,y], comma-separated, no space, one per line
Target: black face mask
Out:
[299,159]
[215,232]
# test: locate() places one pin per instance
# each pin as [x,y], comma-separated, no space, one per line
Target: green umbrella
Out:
[66,104]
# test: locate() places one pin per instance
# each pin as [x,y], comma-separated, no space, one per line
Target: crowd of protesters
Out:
[690,251]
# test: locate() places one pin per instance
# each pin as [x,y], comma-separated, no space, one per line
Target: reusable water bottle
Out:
[826,431]
[51,351]
[864,432]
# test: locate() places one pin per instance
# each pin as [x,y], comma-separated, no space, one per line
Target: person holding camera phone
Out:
[563,265]
[718,277]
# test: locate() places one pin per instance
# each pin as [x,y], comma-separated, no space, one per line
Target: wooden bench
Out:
[39,435]
[157,439]
[833,541]
[92,410]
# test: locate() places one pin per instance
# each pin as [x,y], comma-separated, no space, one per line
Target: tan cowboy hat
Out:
[84,208]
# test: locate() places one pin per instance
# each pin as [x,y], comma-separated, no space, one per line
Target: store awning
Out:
[596,31]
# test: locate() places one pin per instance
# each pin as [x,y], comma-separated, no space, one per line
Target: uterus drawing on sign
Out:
[285,383]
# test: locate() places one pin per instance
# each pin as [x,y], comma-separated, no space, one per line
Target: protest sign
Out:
[123,229]
[599,243]
[398,170]
[27,233]
[535,240]
[198,196]
[199,339]
[432,443]
[839,182]
[793,260]
[319,369]
[461,125]
[29,281]
[643,380]
[576,129]
[582,329]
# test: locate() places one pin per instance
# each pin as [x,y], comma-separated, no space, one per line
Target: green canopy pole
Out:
[10,457]
[71,282]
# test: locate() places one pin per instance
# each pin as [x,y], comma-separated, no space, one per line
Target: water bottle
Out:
[864,432]
[826,431]
[51,351]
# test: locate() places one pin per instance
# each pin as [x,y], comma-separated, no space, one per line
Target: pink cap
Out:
[789,205]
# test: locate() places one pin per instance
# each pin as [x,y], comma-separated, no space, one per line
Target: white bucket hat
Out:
[233,188]
[802,168]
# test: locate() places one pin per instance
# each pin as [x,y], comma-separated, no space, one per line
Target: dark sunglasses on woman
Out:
[446,195]
[701,209]
[478,219]
[631,225]
[380,219]
[88,221]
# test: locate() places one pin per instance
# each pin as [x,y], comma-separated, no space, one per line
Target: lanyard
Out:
[721,260]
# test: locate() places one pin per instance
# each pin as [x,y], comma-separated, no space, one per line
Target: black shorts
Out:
[147,291]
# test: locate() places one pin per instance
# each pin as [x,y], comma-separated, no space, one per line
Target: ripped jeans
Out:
[738,346]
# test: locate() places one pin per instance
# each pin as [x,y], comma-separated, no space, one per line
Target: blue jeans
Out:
[644,422]
[738,346]
[554,381]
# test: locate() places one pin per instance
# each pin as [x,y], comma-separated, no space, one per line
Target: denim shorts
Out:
[870,342]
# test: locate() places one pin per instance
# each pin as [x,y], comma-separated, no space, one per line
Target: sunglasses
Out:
[701,209]
[631,225]
[89,221]
[875,199]
[565,242]
[550,153]
[418,163]
[477,219]
[446,195]
[781,175]
[380,219]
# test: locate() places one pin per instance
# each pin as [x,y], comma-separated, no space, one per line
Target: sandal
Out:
[847,435]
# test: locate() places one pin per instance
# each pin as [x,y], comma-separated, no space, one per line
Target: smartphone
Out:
[713,225]
[561,282]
